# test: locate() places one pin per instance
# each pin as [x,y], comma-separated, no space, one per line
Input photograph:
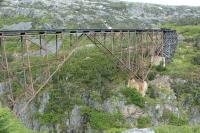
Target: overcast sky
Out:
[170,2]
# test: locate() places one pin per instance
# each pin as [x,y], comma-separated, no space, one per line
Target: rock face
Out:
[5,88]
[161,82]
[18,26]
[48,47]
[27,116]
[194,117]
[140,86]
[157,60]
[76,119]
[92,14]
[162,89]
[136,130]
[2,88]
[132,111]
[1,93]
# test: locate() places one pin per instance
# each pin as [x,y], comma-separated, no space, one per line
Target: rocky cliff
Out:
[48,14]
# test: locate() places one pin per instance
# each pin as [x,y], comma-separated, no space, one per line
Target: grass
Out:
[182,64]
[173,119]
[177,129]
[144,122]
[10,124]
[133,97]
[103,120]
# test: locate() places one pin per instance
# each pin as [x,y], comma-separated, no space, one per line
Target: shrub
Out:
[197,44]
[10,58]
[143,122]
[9,124]
[85,113]
[196,60]
[172,119]
[160,67]
[191,89]
[104,120]
[133,97]
[152,92]
[177,129]
[151,75]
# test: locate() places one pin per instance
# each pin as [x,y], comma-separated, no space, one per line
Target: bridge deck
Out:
[73,31]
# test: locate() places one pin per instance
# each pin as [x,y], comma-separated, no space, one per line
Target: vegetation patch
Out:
[196,60]
[104,120]
[133,97]
[177,129]
[184,63]
[10,124]
[190,90]
[172,119]
[144,122]
[90,75]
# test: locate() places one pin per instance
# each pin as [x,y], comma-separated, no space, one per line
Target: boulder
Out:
[137,130]
[140,86]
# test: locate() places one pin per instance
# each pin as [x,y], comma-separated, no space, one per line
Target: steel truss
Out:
[29,59]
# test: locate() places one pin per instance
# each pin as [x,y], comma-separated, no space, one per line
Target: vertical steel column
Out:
[162,44]
[135,54]
[56,44]
[23,60]
[1,43]
[70,39]
[113,39]
[167,46]
[9,82]
[94,36]
[104,39]
[40,44]
[121,43]
[142,56]
[1,39]
[29,64]
[62,40]
[76,34]
[129,55]
[5,58]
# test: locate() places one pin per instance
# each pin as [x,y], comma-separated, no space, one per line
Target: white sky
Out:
[169,2]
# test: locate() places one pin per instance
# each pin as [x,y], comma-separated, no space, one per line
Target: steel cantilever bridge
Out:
[29,58]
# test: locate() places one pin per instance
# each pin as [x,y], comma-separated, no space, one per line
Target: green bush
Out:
[144,121]
[151,76]
[10,58]
[196,60]
[197,44]
[191,89]
[9,124]
[152,92]
[92,71]
[177,129]
[133,97]
[160,67]
[172,119]
[104,120]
